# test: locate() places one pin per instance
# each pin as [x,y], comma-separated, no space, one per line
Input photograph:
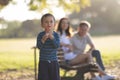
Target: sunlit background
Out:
[20,11]
[20,25]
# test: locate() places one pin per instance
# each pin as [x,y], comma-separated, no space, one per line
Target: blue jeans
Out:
[97,55]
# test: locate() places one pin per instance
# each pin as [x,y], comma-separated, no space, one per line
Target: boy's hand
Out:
[44,38]
[51,35]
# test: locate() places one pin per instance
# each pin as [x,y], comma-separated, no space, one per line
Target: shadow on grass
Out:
[72,78]
[69,78]
[76,77]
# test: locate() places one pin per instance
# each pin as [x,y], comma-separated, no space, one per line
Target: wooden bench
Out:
[81,69]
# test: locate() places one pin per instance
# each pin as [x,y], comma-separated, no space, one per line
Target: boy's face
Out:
[48,23]
[83,30]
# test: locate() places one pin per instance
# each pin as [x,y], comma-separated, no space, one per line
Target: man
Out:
[81,39]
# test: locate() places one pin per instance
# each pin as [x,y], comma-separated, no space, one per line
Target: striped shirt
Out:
[48,50]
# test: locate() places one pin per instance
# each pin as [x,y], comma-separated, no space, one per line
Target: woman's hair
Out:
[46,15]
[59,29]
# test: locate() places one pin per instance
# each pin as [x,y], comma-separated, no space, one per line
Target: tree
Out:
[67,5]
[4,3]
[29,28]
[103,15]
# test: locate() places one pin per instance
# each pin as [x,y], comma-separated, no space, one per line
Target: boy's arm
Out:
[56,40]
[44,38]
[40,41]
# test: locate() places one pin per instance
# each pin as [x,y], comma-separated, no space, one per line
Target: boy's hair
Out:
[46,15]
[85,23]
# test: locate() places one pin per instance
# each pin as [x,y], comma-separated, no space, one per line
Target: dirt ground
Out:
[113,69]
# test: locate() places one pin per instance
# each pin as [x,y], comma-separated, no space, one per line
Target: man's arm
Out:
[92,47]
[90,43]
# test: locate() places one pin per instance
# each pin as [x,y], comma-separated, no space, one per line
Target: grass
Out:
[109,47]
[17,53]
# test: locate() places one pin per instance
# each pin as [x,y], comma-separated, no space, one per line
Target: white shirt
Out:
[67,55]
[79,43]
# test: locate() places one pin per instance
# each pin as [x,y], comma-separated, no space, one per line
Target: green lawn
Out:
[109,47]
[17,53]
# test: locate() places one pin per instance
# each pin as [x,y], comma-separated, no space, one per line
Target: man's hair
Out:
[46,15]
[85,23]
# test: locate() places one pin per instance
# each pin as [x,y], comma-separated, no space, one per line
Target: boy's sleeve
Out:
[56,41]
[39,43]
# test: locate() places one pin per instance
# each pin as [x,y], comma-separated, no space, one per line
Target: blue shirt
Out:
[48,49]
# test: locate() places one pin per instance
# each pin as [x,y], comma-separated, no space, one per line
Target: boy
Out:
[48,42]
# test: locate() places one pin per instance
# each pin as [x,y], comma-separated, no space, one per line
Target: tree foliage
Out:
[67,5]
[15,29]
[40,5]
[104,16]
[4,3]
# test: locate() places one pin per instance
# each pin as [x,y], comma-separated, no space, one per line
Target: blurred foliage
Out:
[104,16]
[15,29]
[40,5]
[31,28]
[67,5]
[3,3]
